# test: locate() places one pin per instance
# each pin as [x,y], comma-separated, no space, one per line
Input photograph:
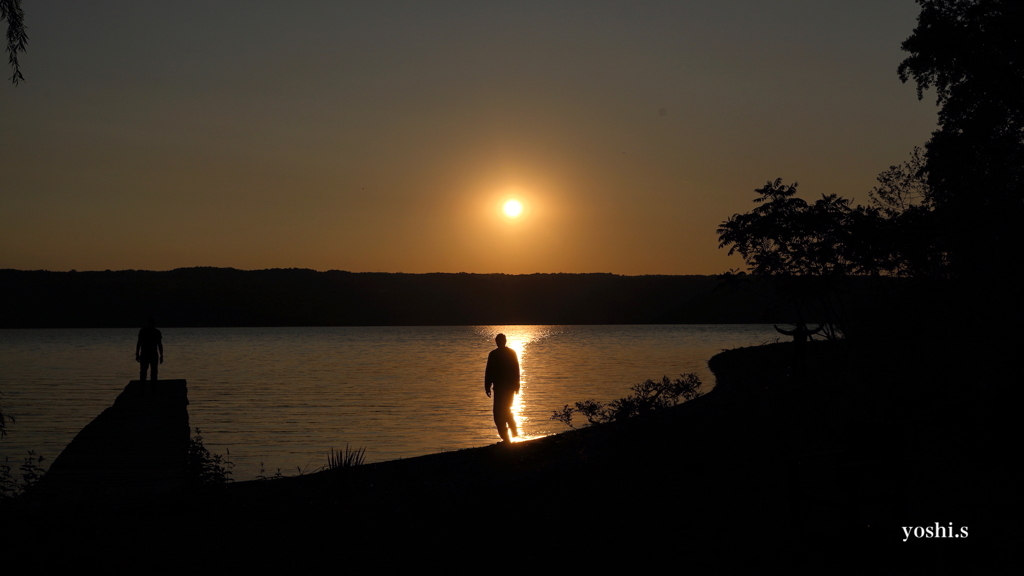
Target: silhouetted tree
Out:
[894,236]
[972,53]
[788,236]
[954,210]
[903,187]
[10,10]
[829,240]
[905,233]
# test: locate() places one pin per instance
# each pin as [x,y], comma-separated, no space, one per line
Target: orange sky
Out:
[386,137]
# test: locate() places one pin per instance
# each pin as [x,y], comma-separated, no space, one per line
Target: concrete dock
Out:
[135,449]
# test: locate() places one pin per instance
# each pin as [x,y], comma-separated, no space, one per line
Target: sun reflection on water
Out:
[519,338]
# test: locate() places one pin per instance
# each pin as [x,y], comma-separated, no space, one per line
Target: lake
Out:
[284,397]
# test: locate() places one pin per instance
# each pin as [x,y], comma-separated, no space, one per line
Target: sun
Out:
[513,208]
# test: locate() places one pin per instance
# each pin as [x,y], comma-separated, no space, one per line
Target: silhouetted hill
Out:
[298,297]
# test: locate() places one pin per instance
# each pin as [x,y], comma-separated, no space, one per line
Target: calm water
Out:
[285,396]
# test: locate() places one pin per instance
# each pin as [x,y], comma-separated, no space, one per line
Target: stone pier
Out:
[134,450]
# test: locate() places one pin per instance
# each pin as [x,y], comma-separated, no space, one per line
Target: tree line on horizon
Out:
[299,297]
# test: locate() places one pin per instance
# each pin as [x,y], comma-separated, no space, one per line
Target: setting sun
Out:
[513,208]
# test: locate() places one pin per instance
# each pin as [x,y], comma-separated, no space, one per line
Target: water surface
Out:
[285,396]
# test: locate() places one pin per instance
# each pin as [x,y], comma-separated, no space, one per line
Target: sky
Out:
[386,136]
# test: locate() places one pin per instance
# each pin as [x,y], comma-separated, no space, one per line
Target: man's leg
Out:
[503,418]
[499,421]
[510,418]
[503,411]
[150,363]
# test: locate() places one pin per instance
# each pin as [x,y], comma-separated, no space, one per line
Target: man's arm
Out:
[138,345]
[516,358]
[488,377]
[160,347]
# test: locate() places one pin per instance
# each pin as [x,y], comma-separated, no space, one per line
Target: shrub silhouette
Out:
[31,471]
[648,396]
[206,469]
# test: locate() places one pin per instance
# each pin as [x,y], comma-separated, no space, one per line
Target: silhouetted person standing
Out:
[503,374]
[149,350]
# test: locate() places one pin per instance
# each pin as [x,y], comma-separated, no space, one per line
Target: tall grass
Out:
[337,459]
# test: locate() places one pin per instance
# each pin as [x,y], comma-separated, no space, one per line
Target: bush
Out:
[647,397]
[205,468]
[31,472]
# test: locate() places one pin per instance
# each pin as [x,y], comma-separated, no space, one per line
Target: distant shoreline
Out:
[226,297]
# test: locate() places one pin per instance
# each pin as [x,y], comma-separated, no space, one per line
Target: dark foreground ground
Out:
[767,473]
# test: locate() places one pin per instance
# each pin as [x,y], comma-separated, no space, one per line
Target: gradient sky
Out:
[384,136]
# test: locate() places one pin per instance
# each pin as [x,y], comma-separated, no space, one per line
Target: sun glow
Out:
[513,208]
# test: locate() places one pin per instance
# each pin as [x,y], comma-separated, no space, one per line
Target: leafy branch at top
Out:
[17,38]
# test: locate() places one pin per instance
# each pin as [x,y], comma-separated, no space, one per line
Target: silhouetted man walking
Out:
[150,343]
[503,374]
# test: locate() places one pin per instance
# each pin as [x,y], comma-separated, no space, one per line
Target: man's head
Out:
[500,340]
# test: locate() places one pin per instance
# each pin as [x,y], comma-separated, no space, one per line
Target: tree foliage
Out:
[954,208]
[972,53]
[17,38]
[909,241]
[785,235]
[903,187]
[830,239]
